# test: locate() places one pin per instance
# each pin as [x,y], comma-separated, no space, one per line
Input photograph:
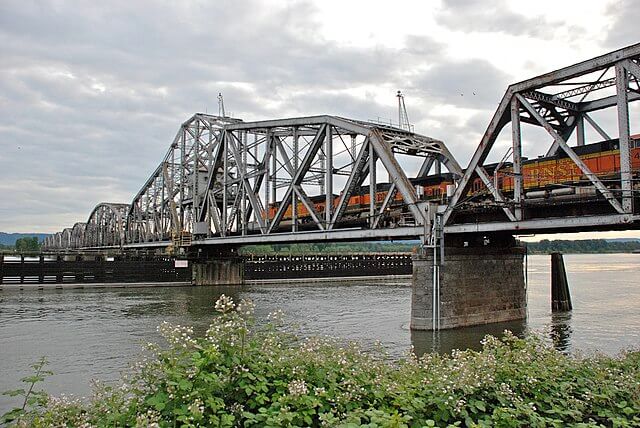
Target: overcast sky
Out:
[92,94]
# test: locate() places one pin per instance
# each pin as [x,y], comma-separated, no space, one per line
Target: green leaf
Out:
[184,385]
[11,415]
[159,401]
[32,379]
[14,392]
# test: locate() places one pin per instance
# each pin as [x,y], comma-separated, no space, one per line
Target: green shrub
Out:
[270,378]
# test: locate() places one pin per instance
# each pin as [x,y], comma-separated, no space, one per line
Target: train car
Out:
[542,177]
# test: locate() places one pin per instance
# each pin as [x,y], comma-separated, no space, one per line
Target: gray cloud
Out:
[623,31]
[91,97]
[472,83]
[496,17]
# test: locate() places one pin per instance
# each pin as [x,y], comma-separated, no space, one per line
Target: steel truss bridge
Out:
[228,182]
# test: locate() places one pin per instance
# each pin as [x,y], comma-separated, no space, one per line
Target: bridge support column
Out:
[220,268]
[480,283]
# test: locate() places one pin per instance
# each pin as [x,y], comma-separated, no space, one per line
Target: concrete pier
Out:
[222,271]
[479,284]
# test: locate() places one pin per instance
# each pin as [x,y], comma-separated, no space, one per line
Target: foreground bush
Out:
[232,377]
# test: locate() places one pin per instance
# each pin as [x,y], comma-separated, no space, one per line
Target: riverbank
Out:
[91,285]
[345,280]
[235,376]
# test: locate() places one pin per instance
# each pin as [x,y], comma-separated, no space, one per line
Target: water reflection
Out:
[560,330]
[445,341]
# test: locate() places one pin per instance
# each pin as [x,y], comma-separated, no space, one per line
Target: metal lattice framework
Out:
[78,235]
[105,226]
[560,102]
[249,174]
[172,197]
[224,178]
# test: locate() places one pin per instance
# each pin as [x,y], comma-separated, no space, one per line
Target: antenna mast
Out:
[403,117]
[221,105]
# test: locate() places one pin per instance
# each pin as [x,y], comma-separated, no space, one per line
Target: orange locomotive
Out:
[545,173]
[541,178]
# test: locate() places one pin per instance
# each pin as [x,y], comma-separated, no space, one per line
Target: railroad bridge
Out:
[225,183]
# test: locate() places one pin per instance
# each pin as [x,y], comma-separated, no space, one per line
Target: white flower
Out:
[297,387]
[224,304]
[246,308]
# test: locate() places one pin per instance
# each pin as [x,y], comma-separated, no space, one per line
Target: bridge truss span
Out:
[106,226]
[227,182]
[223,179]
[563,103]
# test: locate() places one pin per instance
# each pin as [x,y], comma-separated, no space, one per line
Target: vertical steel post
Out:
[294,202]
[243,171]
[182,179]
[163,210]
[516,138]
[195,206]
[354,153]
[580,130]
[622,84]
[328,175]
[322,158]
[274,169]
[372,184]
[267,176]
[225,173]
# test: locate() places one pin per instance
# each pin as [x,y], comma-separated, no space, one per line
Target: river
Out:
[95,333]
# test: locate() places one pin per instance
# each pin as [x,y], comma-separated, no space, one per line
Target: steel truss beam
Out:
[538,102]
[105,226]
[222,177]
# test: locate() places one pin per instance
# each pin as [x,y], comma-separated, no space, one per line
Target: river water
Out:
[95,333]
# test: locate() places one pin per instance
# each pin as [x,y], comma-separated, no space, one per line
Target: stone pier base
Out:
[478,285]
[228,271]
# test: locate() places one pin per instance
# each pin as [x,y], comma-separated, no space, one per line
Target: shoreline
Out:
[79,285]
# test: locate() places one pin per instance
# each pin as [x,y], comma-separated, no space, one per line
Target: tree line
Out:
[336,248]
[546,246]
[29,244]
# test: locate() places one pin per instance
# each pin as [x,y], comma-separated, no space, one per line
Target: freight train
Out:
[544,178]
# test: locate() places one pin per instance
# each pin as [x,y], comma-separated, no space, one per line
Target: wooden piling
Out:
[41,269]
[560,297]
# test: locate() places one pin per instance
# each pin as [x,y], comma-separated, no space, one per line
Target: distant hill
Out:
[10,238]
